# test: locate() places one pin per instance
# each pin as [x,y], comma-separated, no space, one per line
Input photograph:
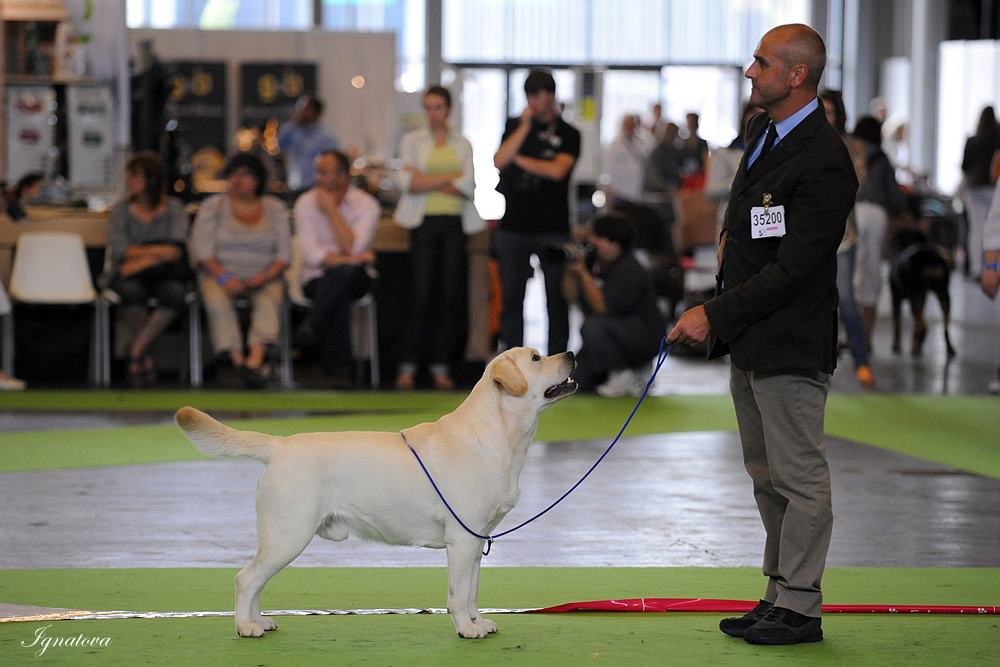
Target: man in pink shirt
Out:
[335,223]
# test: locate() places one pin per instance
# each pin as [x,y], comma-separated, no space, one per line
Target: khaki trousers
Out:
[224,324]
[780,416]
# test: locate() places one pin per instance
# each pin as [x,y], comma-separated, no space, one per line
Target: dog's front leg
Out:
[474,612]
[464,555]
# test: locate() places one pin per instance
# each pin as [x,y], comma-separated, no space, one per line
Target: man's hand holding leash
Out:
[692,328]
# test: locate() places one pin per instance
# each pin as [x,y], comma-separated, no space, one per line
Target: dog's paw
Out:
[490,626]
[472,630]
[267,623]
[250,629]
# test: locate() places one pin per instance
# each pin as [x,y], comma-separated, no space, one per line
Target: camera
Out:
[569,252]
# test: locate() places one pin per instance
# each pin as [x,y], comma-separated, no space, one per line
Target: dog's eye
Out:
[535,357]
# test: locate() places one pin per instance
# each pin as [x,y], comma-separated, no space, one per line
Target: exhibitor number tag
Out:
[767,221]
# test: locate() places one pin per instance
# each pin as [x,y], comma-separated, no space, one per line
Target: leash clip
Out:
[489,545]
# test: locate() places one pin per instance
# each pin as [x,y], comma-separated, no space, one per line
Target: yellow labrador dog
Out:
[370,485]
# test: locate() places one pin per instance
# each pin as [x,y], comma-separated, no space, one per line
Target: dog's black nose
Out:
[569,354]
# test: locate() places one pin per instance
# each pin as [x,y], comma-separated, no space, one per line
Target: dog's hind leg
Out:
[897,305]
[945,301]
[464,555]
[919,324]
[278,546]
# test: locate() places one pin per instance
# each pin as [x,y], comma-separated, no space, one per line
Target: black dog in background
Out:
[917,267]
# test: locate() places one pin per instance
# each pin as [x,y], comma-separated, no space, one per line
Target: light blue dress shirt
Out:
[303,145]
[784,127]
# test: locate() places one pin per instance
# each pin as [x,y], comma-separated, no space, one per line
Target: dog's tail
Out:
[215,439]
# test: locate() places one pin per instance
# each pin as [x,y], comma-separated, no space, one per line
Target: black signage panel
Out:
[269,90]
[198,97]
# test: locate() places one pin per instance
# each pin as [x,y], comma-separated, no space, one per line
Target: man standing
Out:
[535,159]
[302,140]
[335,223]
[776,309]
[625,163]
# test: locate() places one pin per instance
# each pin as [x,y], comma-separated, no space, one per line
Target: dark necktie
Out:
[769,137]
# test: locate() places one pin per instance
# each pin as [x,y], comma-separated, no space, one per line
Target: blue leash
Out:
[490,538]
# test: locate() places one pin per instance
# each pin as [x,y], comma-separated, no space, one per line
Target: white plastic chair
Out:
[51,268]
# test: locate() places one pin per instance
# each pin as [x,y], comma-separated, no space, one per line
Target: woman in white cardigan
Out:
[437,207]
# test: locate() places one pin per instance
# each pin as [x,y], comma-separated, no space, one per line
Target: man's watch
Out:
[991,267]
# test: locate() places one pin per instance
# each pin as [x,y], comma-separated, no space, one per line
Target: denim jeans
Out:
[849,312]
[439,271]
[514,250]
[332,294]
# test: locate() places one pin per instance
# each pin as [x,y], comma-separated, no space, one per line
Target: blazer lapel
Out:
[790,144]
[753,136]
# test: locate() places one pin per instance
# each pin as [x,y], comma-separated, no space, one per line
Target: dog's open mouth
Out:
[564,388]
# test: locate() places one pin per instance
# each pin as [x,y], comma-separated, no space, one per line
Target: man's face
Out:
[328,174]
[305,113]
[542,104]
[770,78]
[629,124]
[606,250]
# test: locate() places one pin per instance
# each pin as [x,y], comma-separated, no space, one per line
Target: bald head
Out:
[801,45]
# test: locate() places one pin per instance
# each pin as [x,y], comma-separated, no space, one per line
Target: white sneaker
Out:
[620,383]
[8,383]
[993,387]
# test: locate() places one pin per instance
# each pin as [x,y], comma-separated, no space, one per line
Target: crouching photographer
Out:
[622,325]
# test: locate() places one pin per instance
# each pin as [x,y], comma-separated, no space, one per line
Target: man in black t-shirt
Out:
[535,159]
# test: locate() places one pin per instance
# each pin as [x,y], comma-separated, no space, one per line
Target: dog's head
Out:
[523,372]
[905,238]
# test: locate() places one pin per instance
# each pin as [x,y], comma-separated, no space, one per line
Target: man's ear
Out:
[506,375]
[798,74]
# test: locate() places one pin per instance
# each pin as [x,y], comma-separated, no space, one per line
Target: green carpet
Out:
[542,639]
[960,431]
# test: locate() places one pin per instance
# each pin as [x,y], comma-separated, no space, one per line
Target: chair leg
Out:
[96,372]
[105,336]
[194,343]
[8,344]
[286,346]
[373,341]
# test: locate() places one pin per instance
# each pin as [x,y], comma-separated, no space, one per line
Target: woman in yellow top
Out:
[437,207]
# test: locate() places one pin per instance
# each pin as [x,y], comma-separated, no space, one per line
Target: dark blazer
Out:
[777,303]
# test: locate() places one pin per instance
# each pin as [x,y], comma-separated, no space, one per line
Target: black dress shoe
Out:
[782,627]
[735,626]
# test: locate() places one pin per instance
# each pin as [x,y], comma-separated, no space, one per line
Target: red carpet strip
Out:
[743,606]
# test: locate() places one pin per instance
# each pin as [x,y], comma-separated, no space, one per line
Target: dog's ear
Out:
[506,375]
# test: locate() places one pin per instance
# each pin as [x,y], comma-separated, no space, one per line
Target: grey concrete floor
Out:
[660,500]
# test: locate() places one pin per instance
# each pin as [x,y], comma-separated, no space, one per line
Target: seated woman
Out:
[622,325]
[146,238]
[241,244]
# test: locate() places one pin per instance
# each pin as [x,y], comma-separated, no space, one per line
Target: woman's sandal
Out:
[443,382]
[404,382]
